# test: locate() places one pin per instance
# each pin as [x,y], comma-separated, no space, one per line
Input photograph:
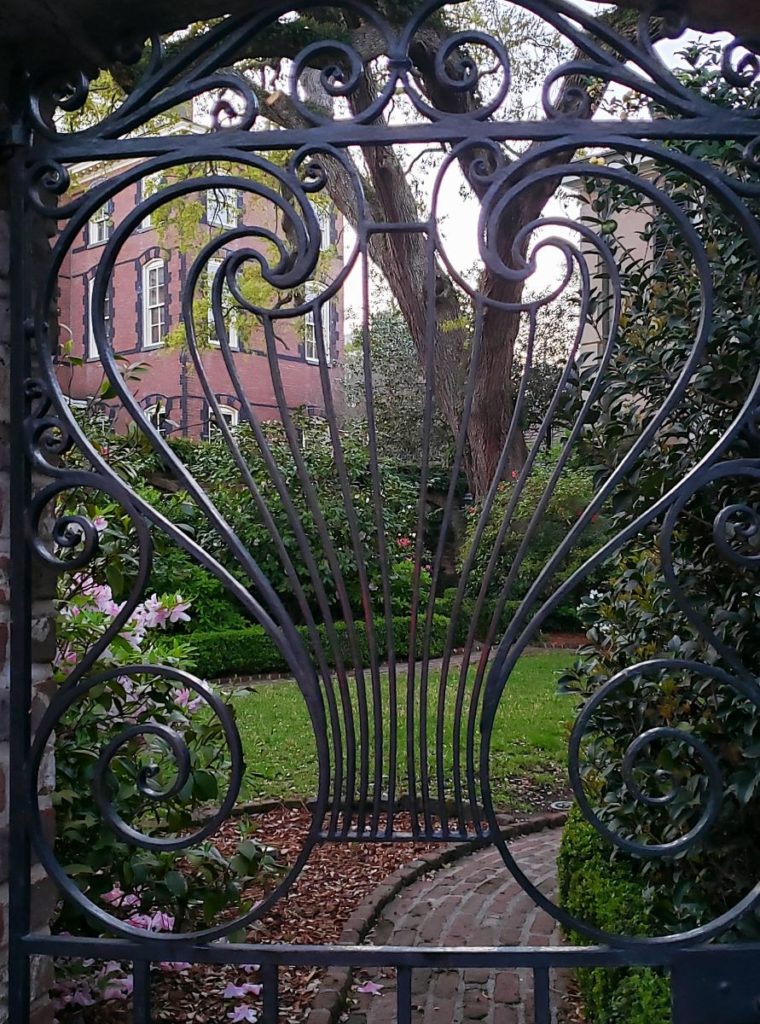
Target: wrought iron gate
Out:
[284,165]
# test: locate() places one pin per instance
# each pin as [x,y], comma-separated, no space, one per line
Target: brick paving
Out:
[473,902]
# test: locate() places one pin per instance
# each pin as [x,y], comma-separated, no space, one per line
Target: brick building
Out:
[143,314]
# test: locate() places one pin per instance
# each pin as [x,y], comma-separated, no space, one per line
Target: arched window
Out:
[230,416]
[154,303]
[156,414]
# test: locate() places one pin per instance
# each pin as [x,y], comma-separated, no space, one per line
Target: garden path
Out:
[475,901]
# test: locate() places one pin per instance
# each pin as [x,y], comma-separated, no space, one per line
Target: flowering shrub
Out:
[148,888]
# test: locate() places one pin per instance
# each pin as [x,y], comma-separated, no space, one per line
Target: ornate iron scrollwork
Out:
[360,781]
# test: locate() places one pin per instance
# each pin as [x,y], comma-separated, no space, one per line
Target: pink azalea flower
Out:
[121,899]
[243,1013]
[115,991]
[179,612]
[371,988]
[162,922]
[141,921]
[82,997]
[189,699]
[238,991]
[178,966]
[100,523]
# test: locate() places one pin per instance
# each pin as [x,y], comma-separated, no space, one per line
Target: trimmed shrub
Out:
[252,651]
[609,894]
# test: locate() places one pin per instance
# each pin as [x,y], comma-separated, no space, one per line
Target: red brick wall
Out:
[301,380]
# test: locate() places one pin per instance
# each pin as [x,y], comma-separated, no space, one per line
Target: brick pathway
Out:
[474,902]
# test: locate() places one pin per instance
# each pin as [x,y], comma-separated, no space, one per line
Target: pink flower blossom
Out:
[100,523]
[404,542]
[178,613]
[162,922]
[82,997]
[115,991]
[187,699]
[243,1013]
[158,922]
[238,991]
[121,899]
[178,966]
[371,988]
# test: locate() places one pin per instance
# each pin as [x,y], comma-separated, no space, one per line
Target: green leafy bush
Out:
[570,497]
[609,895]
[148,887]
[252,651]
[637,614]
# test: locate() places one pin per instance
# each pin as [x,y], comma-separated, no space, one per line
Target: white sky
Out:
[459,221]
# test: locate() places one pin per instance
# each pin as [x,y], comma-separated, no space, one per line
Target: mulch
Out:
[334,883]
[336,880]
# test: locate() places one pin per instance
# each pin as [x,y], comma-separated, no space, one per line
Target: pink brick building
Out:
[144,306]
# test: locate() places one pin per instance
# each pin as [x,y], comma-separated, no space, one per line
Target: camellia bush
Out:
[686,590]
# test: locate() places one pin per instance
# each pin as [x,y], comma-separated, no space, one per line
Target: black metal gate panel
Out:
[286,179]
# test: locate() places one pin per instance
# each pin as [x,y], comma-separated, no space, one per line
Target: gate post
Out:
[25,678]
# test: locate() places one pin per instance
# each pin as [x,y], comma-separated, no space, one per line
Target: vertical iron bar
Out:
[404,995]
[427,422]
[315,509]
[355,533]
[382,553]
[477,336]
[271,981]
[141,992]
[21,790]
[541,995]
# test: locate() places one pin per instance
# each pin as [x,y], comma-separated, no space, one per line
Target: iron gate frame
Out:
[40,158]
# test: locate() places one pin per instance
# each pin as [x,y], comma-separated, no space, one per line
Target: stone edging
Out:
[331,997]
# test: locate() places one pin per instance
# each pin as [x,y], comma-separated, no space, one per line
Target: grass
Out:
[529,742]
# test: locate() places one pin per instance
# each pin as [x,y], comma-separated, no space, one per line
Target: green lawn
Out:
[530,736]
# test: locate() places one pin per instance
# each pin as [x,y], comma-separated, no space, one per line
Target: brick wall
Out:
[300,378]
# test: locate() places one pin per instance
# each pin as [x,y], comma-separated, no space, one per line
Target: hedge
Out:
[607,893]
[252,651]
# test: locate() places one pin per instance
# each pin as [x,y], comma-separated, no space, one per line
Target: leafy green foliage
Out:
[609,896]
[569,499]
[134,880]
[251,651]
[636,615]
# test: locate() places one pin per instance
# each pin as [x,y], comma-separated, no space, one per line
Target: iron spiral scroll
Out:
[367,790]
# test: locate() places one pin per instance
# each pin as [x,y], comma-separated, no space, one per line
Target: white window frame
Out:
[148,320]
[99,226]
[221,208]
[311,292]
[156,415]
[92,348]
[229,413]
[232,332]
[325,221]
[148,187]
